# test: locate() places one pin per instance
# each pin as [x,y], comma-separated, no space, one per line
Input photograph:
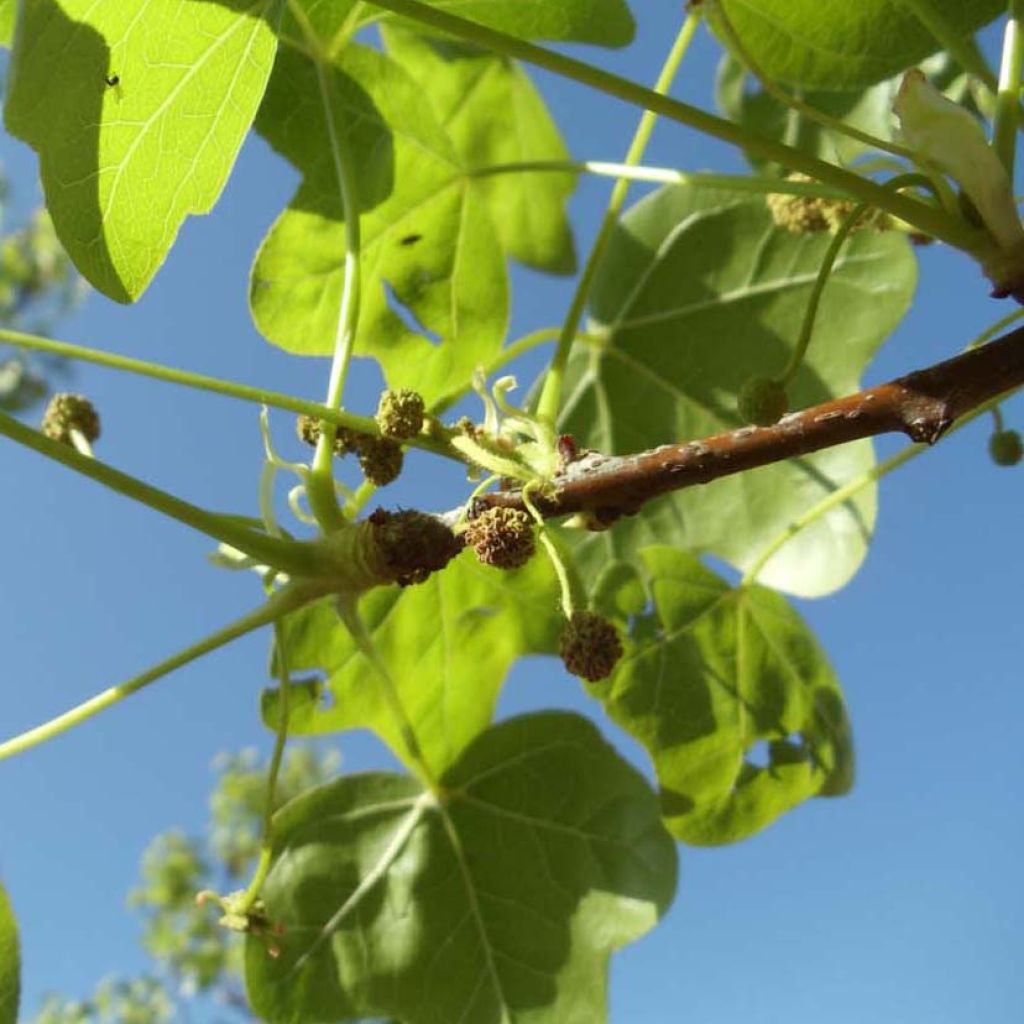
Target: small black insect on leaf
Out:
[410,239]
[113,81]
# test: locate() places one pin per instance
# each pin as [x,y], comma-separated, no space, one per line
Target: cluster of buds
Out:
[68,415]
[804,215]
[400,414]
[380,458]
[1005,448]
[762,401]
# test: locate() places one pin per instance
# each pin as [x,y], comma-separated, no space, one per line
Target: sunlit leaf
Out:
[501,902]
[838,44]
[448,644]
[8,10]
[137,110]
[699,292]
[494,115]
[434,282]
[10,962]
[733,699]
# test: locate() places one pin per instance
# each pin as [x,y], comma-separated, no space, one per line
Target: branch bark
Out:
[923,405]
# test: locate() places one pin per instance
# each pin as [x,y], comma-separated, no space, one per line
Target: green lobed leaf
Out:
[712,675]
[427,237]
[700,291]
[448,644]
[8,11]
[124,162]
[602,22]
[836,44]
[500,902]
[10,962]
[742,100]
[494,115]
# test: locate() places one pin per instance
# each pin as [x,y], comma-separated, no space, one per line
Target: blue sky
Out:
[900,902]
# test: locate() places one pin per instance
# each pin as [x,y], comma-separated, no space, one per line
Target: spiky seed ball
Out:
[380,459]
[400,414]
[590,646]
[1006,448]
[762,401]
[67,412]
[412,544]
[502,537]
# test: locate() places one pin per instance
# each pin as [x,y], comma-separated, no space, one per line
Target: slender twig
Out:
[922,405]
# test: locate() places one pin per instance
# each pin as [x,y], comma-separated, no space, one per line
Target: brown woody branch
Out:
[923,405]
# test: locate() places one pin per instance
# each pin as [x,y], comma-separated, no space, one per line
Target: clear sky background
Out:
[900,903]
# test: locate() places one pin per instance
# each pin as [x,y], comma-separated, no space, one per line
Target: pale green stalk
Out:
[794,103]
[349,615]
[320,484]
[666,176]
[266,856]
[282,602]
[1007,116]
[551,392]
[185,378]
[292,557]
[941,225]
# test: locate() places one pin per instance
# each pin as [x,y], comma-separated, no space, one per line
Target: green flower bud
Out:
[502,537]
[590,646]
[762,401]
[67,412]
[1006,448]
[400,414]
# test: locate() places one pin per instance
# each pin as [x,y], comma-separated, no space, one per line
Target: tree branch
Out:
[923,405]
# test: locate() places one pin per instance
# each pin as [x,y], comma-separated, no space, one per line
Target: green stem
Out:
[794,103]
[1007,116]
[825,271]
[282,602]
[320,484]
[941,225]
[185,378]
[349,615]
[962,48]
[551,393]
[281,738]
[292,557]
[666,176]
[997,328]
[573,593]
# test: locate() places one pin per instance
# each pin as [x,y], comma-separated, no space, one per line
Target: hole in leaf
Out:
[408,316]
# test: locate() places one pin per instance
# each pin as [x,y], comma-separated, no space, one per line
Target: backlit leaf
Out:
[700,291]
[494,115]
[733,699]
[448,644]
[137,110]
[836,44]
[10,962]
[502,902]
[434,282]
